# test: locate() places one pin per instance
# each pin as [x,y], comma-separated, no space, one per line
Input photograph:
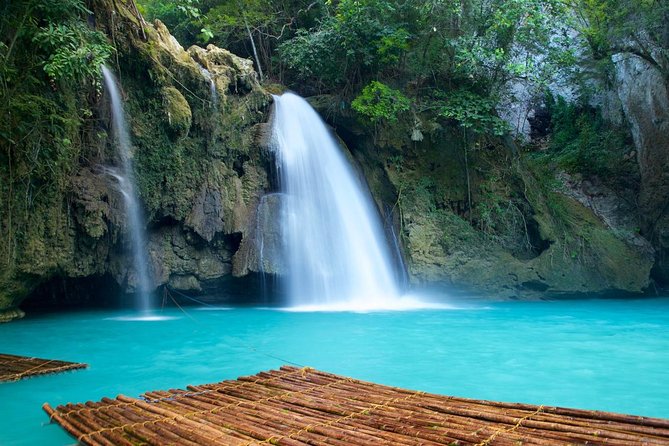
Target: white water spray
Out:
[338,256]
[126,182]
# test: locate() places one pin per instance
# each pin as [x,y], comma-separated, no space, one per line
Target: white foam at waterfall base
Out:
[149,317]
[361,305]
[337,255]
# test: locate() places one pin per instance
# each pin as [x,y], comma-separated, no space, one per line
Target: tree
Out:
[182,17]
[50,61]
[639,27]
[354,42]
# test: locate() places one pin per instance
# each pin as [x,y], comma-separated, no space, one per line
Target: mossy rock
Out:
[572,251]
[177,111]
[68,222]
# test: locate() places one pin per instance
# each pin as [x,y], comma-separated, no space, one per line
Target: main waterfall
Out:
[337,255]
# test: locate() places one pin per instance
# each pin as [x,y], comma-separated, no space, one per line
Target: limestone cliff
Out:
[480,217]
[643,92]
[200,173]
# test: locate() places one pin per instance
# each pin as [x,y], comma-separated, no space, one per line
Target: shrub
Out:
[378,102]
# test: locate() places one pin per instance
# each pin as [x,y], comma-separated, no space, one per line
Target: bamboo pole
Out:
[14,367]
[298,407]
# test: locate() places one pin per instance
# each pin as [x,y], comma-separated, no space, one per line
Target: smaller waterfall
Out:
[212,86]
[126,182]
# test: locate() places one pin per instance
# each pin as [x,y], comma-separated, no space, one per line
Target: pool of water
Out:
[609,355]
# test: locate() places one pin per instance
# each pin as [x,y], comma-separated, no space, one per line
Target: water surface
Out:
[610,355]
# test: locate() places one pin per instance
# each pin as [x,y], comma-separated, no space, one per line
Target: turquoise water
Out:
[597,354]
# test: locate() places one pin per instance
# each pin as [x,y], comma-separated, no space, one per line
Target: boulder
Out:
[263,249]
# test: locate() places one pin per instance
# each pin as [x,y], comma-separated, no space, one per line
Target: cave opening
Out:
[67,293]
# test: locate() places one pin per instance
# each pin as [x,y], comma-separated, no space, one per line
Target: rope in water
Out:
[191,298]
[239,340]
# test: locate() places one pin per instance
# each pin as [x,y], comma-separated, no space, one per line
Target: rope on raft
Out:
[14,368]
[302,406]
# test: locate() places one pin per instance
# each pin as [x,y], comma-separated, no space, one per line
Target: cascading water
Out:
[212,86]
[337,255]
[126,182]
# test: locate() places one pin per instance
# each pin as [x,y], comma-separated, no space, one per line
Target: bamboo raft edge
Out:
[15,367]
[303,406]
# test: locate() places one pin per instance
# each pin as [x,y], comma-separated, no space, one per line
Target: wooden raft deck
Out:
[296,407]
[13,368]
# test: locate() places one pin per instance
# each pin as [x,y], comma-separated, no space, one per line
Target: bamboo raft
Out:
[302,406]
[13,368]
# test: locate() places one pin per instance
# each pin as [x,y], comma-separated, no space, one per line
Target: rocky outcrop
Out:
[528,234]
[263,250]
[199,170]
[644,95]
[568,248]
[229,72]
[619,214]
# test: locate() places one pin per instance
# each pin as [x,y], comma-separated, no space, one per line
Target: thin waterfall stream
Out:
[213,94]
[126,182]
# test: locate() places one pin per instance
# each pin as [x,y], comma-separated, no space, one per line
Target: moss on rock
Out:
[72,222]
[177,111]
[524,234]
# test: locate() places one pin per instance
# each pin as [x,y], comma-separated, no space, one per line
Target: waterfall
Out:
[126,183]
[212,86]
[337,255]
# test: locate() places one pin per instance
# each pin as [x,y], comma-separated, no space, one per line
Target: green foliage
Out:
[582,142]
[182,17]
[392,45]
[467,50]
[228,18]
[76,52]
[612,26]
[378,102]
[304,56]
[49,66]
[354,41]
[53,35]
[501,215]
[471,111]
[487,43]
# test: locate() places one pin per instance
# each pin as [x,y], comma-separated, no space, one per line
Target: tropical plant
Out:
[378,102]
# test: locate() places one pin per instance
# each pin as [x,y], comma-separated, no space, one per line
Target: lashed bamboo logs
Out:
[297,407]
[13,368]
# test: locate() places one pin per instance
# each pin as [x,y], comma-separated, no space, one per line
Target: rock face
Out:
[644,96]
[526,234]
[263,250]
[200,171]
[556,246]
